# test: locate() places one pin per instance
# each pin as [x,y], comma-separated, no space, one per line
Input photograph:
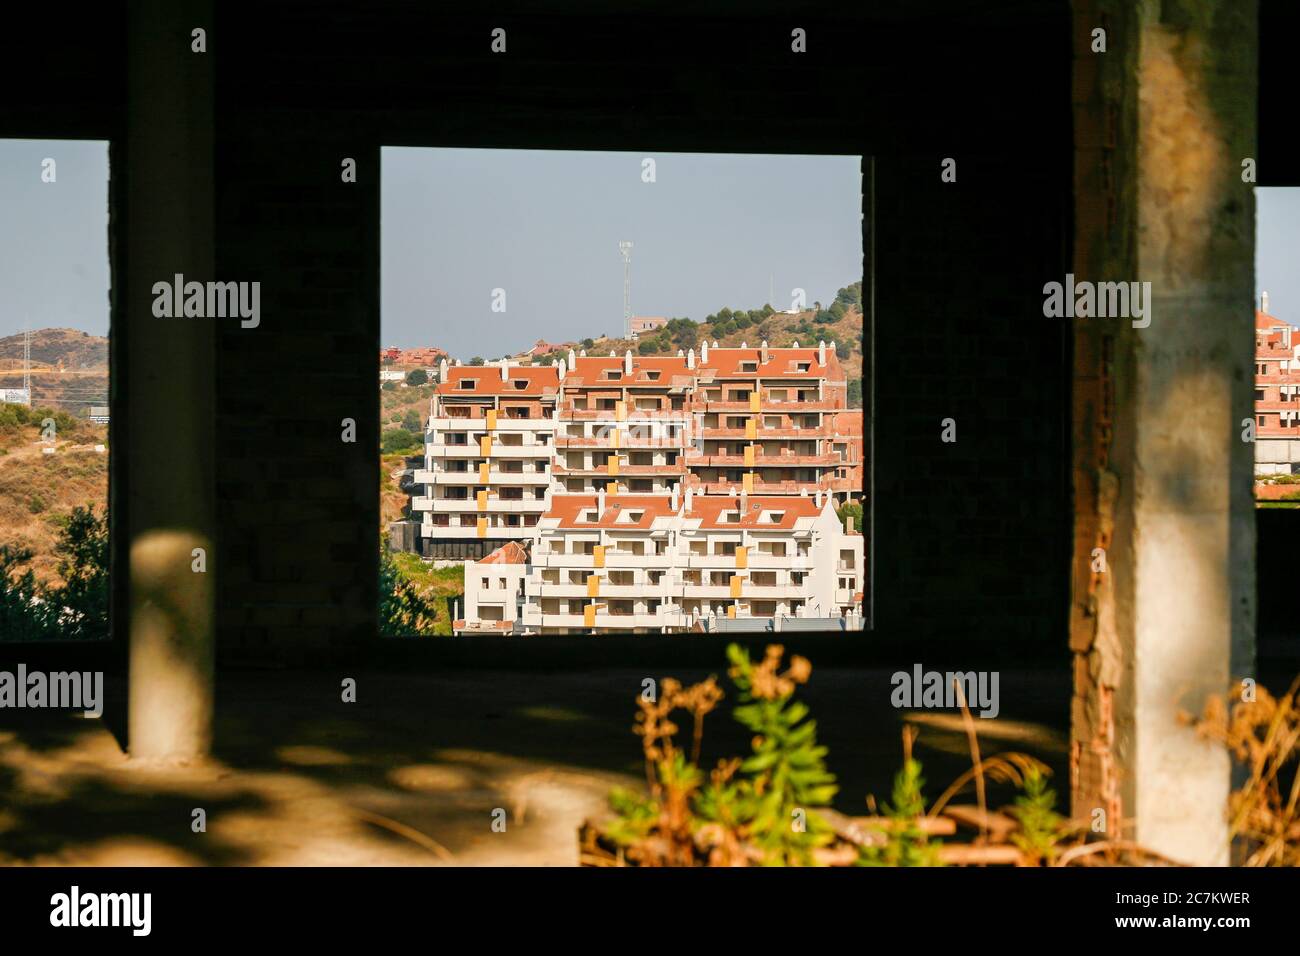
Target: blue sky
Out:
[1277,251]
[54,236]
[543,225]
[711,231]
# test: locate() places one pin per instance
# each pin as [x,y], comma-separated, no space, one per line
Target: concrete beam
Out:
[166,384]
[1163,119]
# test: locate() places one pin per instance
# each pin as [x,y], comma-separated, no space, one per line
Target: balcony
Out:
[767,405]
[470,532]
[624,441]
[762,461]
[503,424]
[618,622]
[494,505]
[472,477]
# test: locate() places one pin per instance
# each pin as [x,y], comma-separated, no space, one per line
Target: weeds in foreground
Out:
[1262,733]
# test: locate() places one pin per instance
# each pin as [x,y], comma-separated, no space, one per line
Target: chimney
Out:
[762,351]
[689,497]
[583,353]
[573,362]
[744,501]
[821,353]
[627,362]
[690,356]
[442,370]
[563,367]
[715,343]
[680,353]
[611,353]
[600,502]
[674,496]
[1263,302]
[704,353]
[505,372]
[795,345]
[744,345]
[817,499]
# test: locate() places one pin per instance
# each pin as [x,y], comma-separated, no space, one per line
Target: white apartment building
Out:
[487,458]
[664,563]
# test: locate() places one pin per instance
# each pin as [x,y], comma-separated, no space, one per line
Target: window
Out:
[469,384]
[54,302]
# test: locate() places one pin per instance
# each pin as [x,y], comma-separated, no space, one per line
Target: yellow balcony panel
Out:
[742,559]
[614,438]
[483,468]
[736,581]
[598,556]
[731,610]
[751,429]
[611,466]
[748,480]
[482,500]
[485,445]
[593,585]
[611,488]
[749,456]
[482,527]
[589,616]
[620,411]
[753,401]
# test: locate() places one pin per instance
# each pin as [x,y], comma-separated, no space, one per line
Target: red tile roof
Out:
[570,508]
[589,371]
[541,380]
[784,363]
[512,552]
[710,508]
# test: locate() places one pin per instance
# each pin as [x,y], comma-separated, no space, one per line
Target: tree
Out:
[476,360]
[851,509]
[411,421]
[417,377]
[396,440]
[79,609]
[645,347]
[588,343]
[855,393]
[403,611]
[741,319]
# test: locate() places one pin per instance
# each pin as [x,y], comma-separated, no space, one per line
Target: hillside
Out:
[840,323]
[80,382]
[79,351]
[38,491]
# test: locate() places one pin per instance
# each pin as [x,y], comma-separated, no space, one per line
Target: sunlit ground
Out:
[414,771]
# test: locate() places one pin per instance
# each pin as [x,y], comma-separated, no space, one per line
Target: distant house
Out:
[646,323]
[15,396]
[543,347]
[420,358]
[391,375]
[98,413]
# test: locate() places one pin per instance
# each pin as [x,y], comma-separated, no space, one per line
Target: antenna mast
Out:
[625,248]
[27,362]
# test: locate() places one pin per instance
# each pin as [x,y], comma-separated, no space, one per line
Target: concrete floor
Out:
[412,773]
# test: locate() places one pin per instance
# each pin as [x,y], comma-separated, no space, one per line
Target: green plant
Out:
[906,841]
[755,810]
[1041,827]
[403,611]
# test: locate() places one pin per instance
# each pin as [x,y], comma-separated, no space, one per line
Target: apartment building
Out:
[1277,394]
[767,421]
[671,563]
[488,452]
[623,424]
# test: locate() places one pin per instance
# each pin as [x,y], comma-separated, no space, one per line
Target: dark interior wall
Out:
[970,540]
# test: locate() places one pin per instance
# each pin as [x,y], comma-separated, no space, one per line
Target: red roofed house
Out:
[488,449]
[658,564]
[493,587]
[639,324]
[1277,394]
[768,418]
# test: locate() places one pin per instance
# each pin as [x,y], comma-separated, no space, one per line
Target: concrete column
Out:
[166,389]
[1163,119]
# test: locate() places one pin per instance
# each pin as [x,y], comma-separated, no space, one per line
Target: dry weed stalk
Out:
[1263,734]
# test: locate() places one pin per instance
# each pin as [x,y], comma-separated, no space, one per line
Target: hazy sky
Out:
[545,225]
[54,236]
[1277,251]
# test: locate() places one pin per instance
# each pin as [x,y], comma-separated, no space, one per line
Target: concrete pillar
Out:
[1162,610]
[166,387]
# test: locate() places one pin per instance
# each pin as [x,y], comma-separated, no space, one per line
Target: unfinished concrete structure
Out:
[1123,165]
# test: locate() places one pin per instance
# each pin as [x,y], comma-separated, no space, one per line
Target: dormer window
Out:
[775,517]
[468,383]
[749,366]
[520,383]
[803,366]
[652,376]
[590,516]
